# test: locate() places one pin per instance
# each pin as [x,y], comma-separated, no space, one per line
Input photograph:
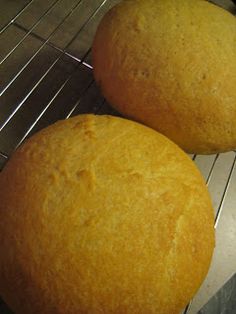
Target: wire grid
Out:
[46,75]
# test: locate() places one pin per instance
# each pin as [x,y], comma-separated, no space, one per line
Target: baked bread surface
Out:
[102,215]
[171,64]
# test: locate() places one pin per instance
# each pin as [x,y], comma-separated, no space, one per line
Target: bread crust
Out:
[99,214]
[171,64]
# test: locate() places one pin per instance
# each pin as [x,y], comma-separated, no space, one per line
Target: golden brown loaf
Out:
[102,215]
[171,64]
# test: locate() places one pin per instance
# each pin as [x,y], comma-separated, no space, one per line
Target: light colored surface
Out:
[224,260]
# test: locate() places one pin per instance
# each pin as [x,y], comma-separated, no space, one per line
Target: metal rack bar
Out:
[30,31]
[26,97]
[16,16]
[219,210]
[78,101]
[187,309]
[36,36]
[81,60]
[51,67]
[3,155]
[50,103]
[55,47]
[211,170]
[53,64]
[40,48]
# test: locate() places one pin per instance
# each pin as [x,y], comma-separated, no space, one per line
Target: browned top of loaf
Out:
[102,215]
[171,64]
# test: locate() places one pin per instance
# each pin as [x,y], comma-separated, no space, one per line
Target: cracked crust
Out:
[102,215]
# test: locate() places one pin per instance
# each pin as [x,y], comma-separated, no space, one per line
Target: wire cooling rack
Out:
[46,75]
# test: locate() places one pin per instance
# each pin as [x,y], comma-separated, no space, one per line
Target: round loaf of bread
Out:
[102,215]
[171,64]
